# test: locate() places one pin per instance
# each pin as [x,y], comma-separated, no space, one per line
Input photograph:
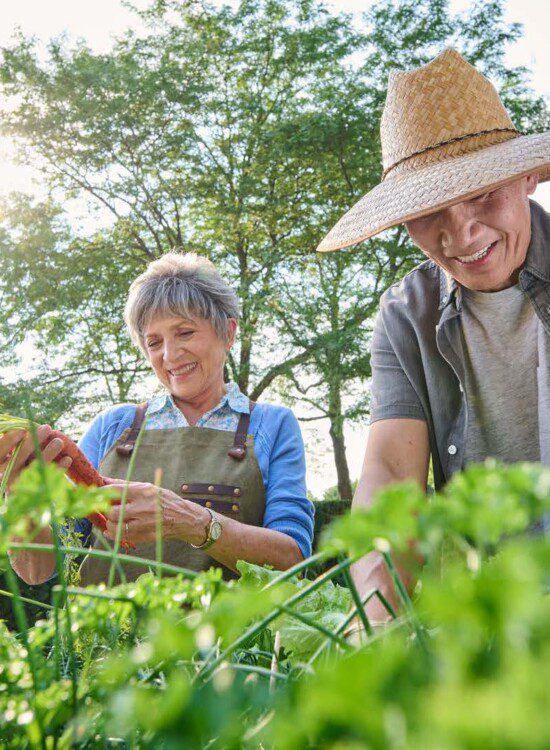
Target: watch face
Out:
[215,530]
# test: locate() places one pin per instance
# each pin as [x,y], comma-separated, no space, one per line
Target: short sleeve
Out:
[392,393]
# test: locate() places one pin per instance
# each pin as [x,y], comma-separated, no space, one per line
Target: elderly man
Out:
[461,346]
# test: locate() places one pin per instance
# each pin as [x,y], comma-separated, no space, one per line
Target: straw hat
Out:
[446,137]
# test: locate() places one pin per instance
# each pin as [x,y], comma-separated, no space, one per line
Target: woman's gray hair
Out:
[183,284]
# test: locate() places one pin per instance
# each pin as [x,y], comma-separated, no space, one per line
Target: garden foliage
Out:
[190,661]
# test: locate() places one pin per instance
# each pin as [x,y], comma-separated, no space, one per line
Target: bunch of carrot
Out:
[80,471]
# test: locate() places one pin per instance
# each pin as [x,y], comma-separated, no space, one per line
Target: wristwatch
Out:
[213,532]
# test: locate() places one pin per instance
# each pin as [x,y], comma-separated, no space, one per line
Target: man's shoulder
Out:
[416,294]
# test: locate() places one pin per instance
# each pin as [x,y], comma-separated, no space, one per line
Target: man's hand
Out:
[397,450]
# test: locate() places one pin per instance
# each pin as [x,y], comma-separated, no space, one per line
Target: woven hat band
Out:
[464,144]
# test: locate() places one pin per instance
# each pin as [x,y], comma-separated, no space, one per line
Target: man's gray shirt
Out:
[419,368]
[500,355]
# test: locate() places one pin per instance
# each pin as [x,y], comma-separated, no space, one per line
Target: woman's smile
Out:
[183,371]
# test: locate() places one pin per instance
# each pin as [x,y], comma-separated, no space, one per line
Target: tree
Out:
[175,136]
[244,133]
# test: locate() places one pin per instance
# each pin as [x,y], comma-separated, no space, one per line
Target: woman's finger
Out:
[26,452]
[132,530]
[65,463]
[51,451]
[8,442]
[133,509]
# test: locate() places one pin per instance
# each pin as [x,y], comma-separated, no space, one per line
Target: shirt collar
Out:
[537,259]
[233,397]
[448,288]
[538,252]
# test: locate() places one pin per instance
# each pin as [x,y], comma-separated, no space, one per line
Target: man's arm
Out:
[397,450]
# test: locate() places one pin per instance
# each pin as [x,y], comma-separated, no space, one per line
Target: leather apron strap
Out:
[238,451]
[127,447]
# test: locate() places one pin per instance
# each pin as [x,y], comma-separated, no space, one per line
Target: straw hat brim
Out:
[419,192]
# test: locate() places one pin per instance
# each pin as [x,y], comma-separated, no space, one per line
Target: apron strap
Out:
[238,451]
[126,448]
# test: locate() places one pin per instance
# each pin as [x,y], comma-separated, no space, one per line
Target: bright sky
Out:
[99,20]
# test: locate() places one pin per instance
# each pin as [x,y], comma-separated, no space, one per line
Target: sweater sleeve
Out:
[281,456]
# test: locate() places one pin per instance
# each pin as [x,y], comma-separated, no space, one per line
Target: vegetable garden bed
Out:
[189,661]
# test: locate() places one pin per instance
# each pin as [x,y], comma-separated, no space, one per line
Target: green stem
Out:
[158,534]
[174,569]
[22,624]
[8,471]
[118,535]
[57,640]
[340,628]
[107,547]
[68,619]
[77,591]
[25,599]
[405,600]
[321,628]
[257,670]
[259,626]
[357,600]
[302,565]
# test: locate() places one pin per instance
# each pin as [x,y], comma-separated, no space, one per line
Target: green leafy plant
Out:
[188,660]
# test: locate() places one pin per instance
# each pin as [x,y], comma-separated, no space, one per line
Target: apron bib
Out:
[213,468]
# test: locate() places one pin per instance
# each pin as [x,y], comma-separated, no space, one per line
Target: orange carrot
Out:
[81,471]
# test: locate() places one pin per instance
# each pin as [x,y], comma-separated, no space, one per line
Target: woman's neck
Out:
[194,408]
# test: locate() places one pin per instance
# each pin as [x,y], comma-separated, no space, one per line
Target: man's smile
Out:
[478,258]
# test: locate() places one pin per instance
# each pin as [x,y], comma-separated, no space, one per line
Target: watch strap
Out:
[209,541]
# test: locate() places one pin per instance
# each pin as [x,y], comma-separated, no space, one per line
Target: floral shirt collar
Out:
[162,412]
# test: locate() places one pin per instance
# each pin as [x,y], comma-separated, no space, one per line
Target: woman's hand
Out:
[33,567]
[179,518]
[14,438]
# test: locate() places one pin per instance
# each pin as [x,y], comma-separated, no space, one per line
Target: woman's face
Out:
[188,356]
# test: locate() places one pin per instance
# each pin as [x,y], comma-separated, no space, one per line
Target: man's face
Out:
[481,242]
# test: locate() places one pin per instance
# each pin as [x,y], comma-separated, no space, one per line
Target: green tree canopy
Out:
[242,132]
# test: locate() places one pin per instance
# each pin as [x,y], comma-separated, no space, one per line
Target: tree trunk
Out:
[342,470]
[338,443]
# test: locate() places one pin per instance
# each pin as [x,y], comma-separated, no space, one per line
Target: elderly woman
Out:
[232,473]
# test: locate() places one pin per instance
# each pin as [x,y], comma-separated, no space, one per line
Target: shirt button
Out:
[235,508]
[452,449]
[211,488]
[208,504]
[184,487]
[236,491]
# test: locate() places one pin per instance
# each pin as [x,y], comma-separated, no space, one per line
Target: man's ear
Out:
[532,182]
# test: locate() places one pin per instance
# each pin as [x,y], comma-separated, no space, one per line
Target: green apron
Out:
[214,468]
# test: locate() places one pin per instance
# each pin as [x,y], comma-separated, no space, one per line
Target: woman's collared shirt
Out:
[163,414]
[278,447]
